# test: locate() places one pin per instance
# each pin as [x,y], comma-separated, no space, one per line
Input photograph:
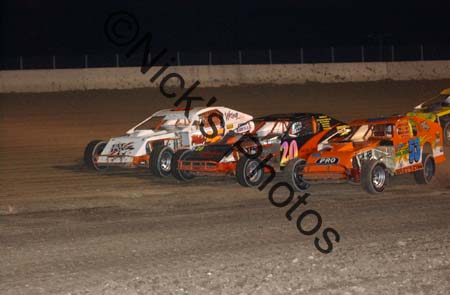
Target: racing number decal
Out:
[288,151]
[414,150]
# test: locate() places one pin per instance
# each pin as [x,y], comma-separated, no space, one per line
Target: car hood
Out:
[342,150]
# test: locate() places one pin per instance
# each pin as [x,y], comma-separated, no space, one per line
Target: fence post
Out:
[210,57]
[301,55]
[363,58]
[392,53]
[270,56]
[178,59]
[421,52]
[240,57]
[21,62]
[117,61]
[332,54]
[86,63]
[54,61]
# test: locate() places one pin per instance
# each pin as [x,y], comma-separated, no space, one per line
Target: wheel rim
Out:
[379,177]
[429,170]
[298,176]
[165,162]
[252,171]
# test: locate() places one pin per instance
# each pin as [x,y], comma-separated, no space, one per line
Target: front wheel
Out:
[374,176]
[293,174]
[181,175]
[161,160]
[249,172]
[425,175]
[91,153]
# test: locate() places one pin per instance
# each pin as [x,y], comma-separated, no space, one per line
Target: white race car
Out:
[153,142]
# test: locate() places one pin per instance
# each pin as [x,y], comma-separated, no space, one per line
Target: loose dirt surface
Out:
[67,230]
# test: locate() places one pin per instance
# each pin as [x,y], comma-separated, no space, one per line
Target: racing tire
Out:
[181,174]
[425,176]
[92,150]
[248,172]
[446,131]
[292,175]
[161,161]
[374,176]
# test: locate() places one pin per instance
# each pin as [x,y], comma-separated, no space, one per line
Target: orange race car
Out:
[282,137]
[370,151]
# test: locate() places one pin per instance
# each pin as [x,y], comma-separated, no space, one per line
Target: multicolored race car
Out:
[152,142]
[282,136]
[369,151]
[440,106]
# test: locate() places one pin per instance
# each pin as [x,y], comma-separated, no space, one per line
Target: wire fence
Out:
[266,56]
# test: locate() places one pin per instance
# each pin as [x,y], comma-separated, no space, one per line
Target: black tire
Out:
[446,131]
[161,161]
[92,150]
[247,172]
[292,175]
[374,176]
[181,174]
[425,176]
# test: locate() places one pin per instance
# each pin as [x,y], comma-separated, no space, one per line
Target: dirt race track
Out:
[67,230]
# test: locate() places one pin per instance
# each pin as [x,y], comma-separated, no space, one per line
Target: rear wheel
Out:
[425,175]
[249,172]
[374,176]
[293,175]
[160,161]
[91,153]
[446,131]
[181,175]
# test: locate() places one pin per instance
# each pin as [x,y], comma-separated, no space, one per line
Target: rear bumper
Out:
[206,166]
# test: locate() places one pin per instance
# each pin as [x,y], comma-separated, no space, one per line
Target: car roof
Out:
[193,112]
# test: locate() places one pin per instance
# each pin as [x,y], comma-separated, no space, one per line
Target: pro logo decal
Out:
[327,161]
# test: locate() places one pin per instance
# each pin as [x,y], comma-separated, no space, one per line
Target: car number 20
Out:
[288,151]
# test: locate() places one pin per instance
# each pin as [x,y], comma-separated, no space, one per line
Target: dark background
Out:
[46,28]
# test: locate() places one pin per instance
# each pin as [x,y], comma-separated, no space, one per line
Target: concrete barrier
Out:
[219,75]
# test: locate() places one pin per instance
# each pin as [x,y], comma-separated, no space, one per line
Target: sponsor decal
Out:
[327,161]
[198,139]
[425,126]
[229,115]
[120,149]
[324,121]
[296,128]
[343,129]
[243,128]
